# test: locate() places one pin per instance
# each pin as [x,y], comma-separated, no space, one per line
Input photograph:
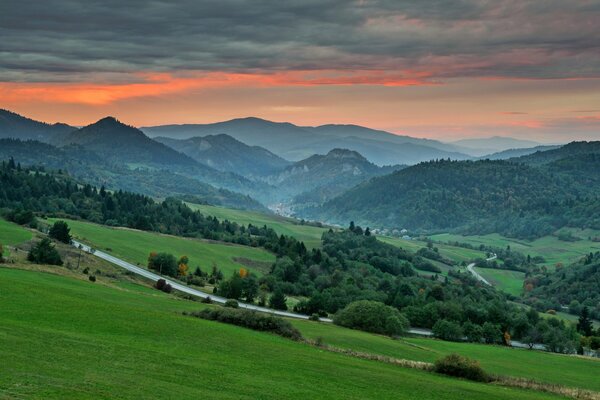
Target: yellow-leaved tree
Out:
[183,266]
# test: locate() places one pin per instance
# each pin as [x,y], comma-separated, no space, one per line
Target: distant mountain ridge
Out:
[513,153]
[225,153]
[494,144]
[295,143]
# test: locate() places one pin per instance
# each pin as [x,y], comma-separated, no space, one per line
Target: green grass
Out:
[508,281]
[541,366]
[11,234]
[310,235]
[457,254]
[135,246]
[553,250]
[64,338]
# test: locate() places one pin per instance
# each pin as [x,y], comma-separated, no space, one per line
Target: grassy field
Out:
[508,281]
[64,338]
[544,367]
[11,234]
[550,247]
[457,254]
[310,235]
[134,246]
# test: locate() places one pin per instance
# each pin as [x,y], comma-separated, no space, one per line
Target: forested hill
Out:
[15,126]
[575,286]
[474,197]
[568,150]
[117,141]
[88,166]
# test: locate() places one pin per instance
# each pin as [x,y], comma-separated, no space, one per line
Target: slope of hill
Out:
[296,143]
[477,197]
[15,126]
[224,153]
[322,177]
[111,339]
[513,153]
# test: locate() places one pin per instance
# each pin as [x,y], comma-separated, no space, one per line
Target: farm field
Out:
[134,246]
[541,366]
[310,235]
[506,280]
[104,342]
[457,254]
[550,247]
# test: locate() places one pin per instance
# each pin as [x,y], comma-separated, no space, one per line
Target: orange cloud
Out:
[156,84]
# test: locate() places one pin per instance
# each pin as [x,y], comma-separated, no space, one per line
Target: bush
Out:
[231,304]
[252,320]
[162,285]
[92,278]
[206,300]
[314,317]
[372,316]
[461,367]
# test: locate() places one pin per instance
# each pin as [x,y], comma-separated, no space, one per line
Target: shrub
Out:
[462,367]
[231,304]
[92,278]
[372,316]
[162,285]
[314,317]
[206,300]
[250,319]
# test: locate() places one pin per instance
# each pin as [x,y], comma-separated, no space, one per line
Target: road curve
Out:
[182,288]
[476,274]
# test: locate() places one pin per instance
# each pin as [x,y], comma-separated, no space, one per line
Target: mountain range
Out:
[295,143]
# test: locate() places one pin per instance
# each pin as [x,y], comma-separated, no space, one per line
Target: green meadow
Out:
[457,254]
[310,235]
[64,338]
[11,234]
[508,281]
[550,247]
[135,246]
[541,366]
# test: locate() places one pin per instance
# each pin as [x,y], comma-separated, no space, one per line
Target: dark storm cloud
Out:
[70,40]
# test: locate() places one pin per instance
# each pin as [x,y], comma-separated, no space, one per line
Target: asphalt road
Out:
[480,278]
[183,288]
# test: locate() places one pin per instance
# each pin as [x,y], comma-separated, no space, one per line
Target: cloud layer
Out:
[70,41]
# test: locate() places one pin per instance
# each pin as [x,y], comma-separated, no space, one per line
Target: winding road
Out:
[476,274]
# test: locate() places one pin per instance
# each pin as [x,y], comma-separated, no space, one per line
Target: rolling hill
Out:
[224,153]
[481,146]
[513,153]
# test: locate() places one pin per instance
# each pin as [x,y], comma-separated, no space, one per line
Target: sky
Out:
[445,69]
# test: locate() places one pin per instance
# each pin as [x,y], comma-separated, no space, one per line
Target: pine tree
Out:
[584,325]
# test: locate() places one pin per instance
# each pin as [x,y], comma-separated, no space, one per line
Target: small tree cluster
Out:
[164,286]
[372,316]
[44,253]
